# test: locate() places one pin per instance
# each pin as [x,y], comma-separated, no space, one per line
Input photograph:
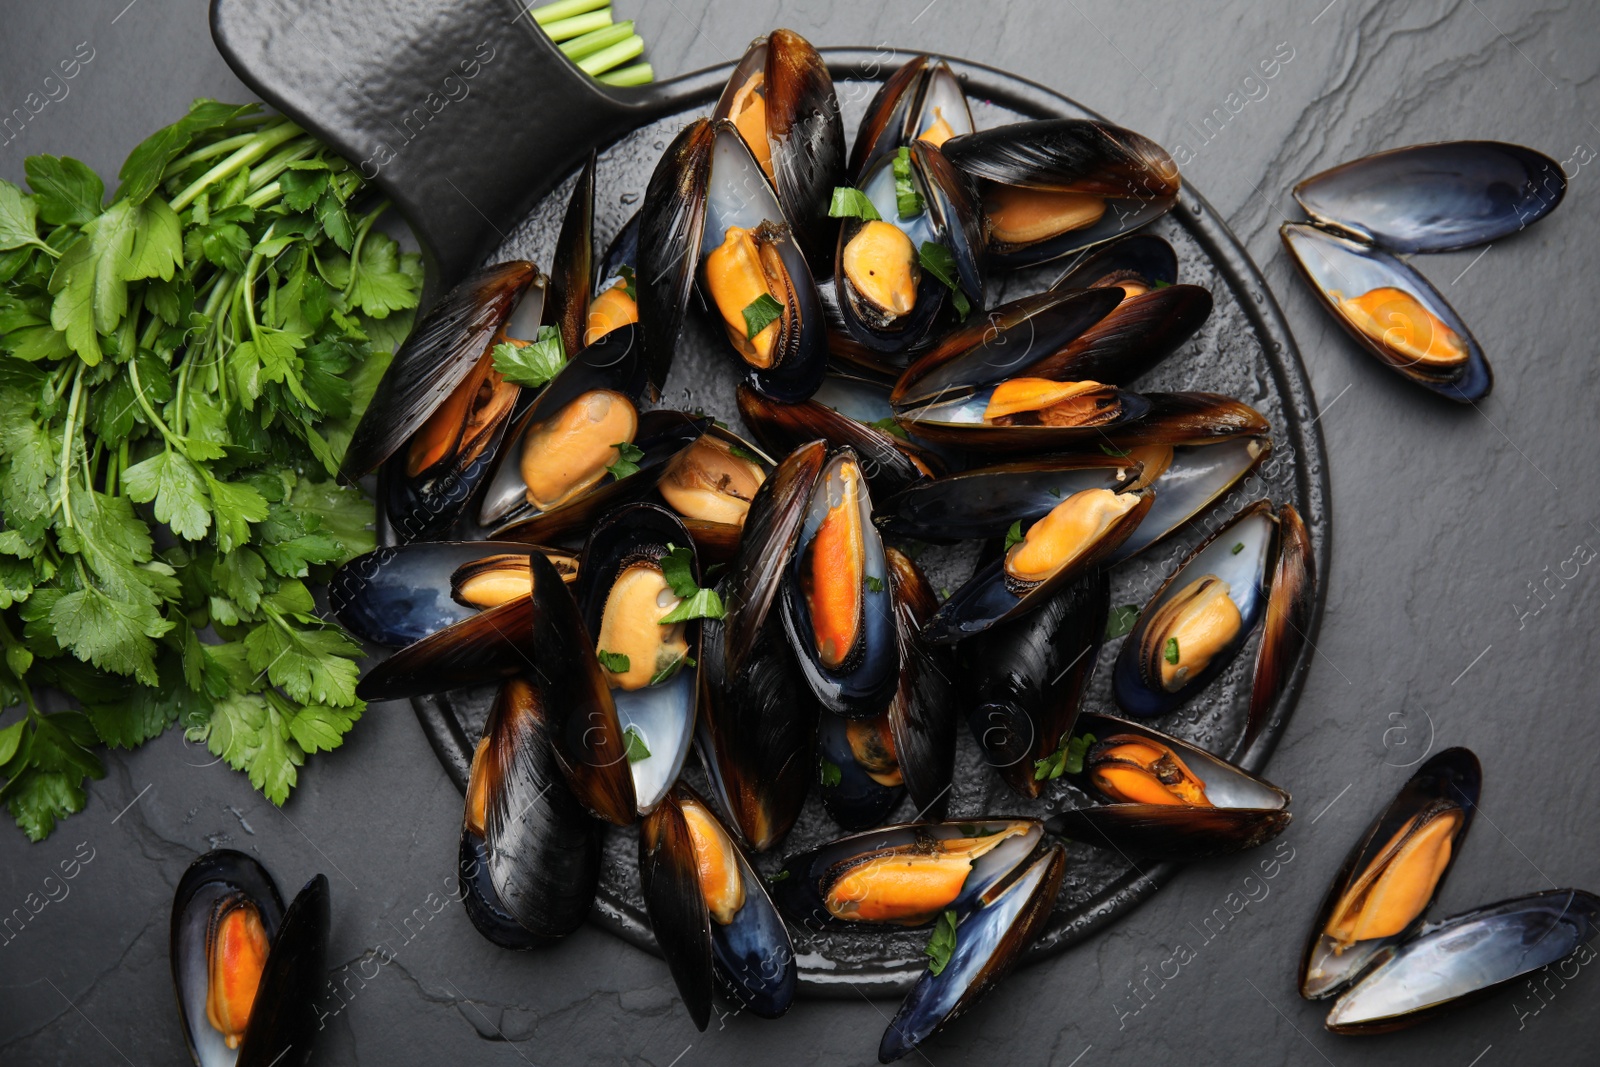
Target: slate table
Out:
[1461,608]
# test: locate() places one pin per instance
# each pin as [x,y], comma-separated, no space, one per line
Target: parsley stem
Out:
[355,248]
[67,436]
[173,440]
[260,145]
[267,173]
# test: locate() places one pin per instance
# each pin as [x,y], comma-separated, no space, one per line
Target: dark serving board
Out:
[486,177]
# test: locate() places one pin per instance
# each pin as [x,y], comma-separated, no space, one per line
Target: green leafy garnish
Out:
[702,604]
[628,457]
[677,567]
[779,877]
[745,454]
[874,583]
[760,313]
[615,662]
[1121,620]
[1116,453]
[1066,759]
[1238,547]
[942,945]
[937,261]
[637,749]
[531,364]
[1159,284]
[1170,652]
[828,773]
[888,425]
[848,203]
[907,201]
[630,283]
[672,668]
[1014,536]
[1055,492]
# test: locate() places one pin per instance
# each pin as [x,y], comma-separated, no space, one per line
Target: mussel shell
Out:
[482,647]
[1436,197]
[1247,812]
[955,216]
[984,437]
[718,542]
[1286,629]
[612,363]
[538,861]
[442,349]
[285,1019]
[898,112]
[853,798]
[210,878]
[750,961]
[988,598]
[801,888]
[1188,418]
[1336,264]
[984,501]
[572,273]
[862,686]
[1466,957]
[1453,775]
[671,220]
[1197,477]
[394,596]
[1136,337]
[1143,256]
[1023,680]
[922,714]
[1131,171]
[623,252]
[911,330]
[989,941]
[663,714]
[1246,572]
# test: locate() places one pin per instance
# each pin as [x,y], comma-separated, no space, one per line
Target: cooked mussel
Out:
[1166,797]
[529,854]
[837,605]
[758,717]
[986,501]
[710,485]
[636,574]
[922,101]
[1188,479]
[903,875]
[780,98]
[710,912]
[1466,957]
[1393,874]
[246,971]
[582,311]
[1435,197]
[1393,312]
[1024,680]
[1051,186]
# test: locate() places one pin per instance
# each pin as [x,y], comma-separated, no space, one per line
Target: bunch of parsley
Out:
[180,370]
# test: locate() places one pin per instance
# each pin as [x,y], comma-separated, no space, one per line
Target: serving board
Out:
[536,119]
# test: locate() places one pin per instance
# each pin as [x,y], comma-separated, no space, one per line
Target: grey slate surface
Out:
[1444,519]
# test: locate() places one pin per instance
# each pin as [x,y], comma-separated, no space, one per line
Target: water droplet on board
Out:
[630,198]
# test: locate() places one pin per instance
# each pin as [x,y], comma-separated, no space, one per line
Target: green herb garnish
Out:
[739,452]
[628,457]
[672,668]
[760,313]
[1116,453]
[615,662]
[637,750]
[942,945]
[694,602]
[1160,284]
[874,583]
[1171,651]
[1121,620]
[907,201]
[779,877]
[937,261]
[888,425]
[848,203]
[828,773]
[630,284]
[1238,547]
[531,364]
[1014,536]
[1066,759]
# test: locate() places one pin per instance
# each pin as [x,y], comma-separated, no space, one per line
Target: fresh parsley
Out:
[889,425]
[1066,759]
[907,201]
[628,457]
[615,662]
[848,203]
[1238,547]
[937,261]
[637,749]
[1115,453]
[942,945]
[1170,652]
[533,363]
[694,602]
[672,668]
[874,583]
[828,773]
[760,313]
[630,283]
[1121,620]
[1014,536]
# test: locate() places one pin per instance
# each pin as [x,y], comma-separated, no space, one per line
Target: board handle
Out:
[461,111]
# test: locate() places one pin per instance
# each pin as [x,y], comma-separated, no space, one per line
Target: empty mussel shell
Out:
[711,914]
[1393,312]
[1436,197]
[922,101]
[1393,874]
[1466,957]
[1165,797]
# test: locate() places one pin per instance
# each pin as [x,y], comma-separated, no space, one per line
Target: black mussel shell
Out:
[908,104]
[285,1019]
[1466,957]
[1137,336]
[922,715]
[1188,479]
[671,220]
[1448,784]
[857,777]
[483,647]
[1286,629]
[984,502]
[1436,197]
[572,273]
[441,351]
[955,217]
[1144,259]
[1244,812]
[1188,418]
[1422,338]
[1024,680]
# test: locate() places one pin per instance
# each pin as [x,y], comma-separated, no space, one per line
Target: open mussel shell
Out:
[989,942]
[886,302]
[1436,197]
[671,220]
[1142,260]
[837,605]
[568,446]
[858,775]
[573,271]
[710,485]
[1200,618]
[1393,312]
[441,351]
[227,911]
[844,411]
[1188,479]
[1052,186]
[1024,679]
[716,926]
[781,99]
[954,215]
[757,722]
[903,875]
[1464,958]
[394,596]
[921,101]
[748,256]
[530,853]
[1287,627]
[1076,536]
[1206,806]
[623,593]
[1392,876]
[985,501]
[483,647]
[428,485]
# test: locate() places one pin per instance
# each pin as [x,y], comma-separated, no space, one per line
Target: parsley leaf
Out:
[1238,547]
[907,201]
[1116,453]
[760,313]
[1066,759]
[702,604]
[937,261]
[637,749]
[615,662]
[874,583]
[828,774]
[677,567]
[628,457]
[1121,620]
[68,192]
[889,425]
[630,284]
[851,203]
[531,364]
[1170,652]
[942,945]
[672,668]
[1014,536]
